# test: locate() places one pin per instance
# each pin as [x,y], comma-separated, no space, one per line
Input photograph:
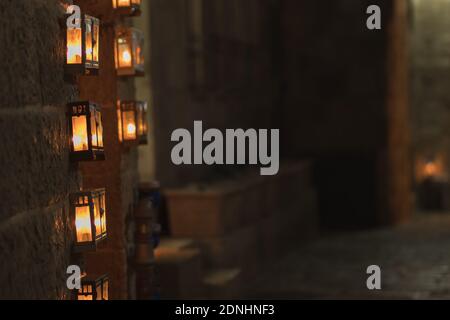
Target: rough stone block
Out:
[179,273]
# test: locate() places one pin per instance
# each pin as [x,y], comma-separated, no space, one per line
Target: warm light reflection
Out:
[83,224]
[74,55]
[80,136]
[129,52]
[106,290]
[96,45]
[85,293]
[431,169]
[125,3]
[129,119]
[94,289]
[89,42]
[126,58]
[97,217]
[131,130]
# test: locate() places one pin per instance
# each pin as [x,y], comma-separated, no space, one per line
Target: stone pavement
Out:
[414,261]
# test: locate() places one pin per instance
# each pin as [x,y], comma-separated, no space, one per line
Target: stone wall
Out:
[37,176]
[35,239]
[345,104]
[430,81]
[211,61]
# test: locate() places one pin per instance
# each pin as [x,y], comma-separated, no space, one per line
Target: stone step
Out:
[175,244]
[239,245]
[180,273]
[224,284]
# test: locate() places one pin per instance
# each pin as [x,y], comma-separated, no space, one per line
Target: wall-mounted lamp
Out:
[86,132]
[132,117]
[127,7]
[93,288]
[88,212]
[82,46]
[129,51]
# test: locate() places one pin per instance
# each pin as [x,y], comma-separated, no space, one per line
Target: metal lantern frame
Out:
[133,39]
[124,106]
[142,125]
[90,111]
[87,65]
[93,288]
[132,8]
[87,199]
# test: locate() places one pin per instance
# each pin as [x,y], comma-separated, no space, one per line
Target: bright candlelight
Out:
[129,118]
[131,129]
[74,55]
[431,169]
[80,138]
[83,224]
[126,57]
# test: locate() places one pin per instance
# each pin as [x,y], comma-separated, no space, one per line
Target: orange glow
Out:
[430,167]
[87,288]
[74,55]
[125,58]
[105,290]
[131,129]
[125,3]
[79,134]
[83,224]
[97,217]
[96,45]
[129,120]
[89,44]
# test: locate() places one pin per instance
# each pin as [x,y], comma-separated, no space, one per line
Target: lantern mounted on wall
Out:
[93,288]
[129,52]
[127,7]
[82,46]
[88,213]
[132,118]
[86,132]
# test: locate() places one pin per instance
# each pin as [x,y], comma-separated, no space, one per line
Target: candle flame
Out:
[131,129]
[83,224]
[79,139]
[126,57]
[74,46]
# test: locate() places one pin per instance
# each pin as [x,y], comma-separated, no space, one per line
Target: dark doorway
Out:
[347,191]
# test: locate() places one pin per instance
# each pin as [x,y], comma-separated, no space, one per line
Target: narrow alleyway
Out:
[414,260]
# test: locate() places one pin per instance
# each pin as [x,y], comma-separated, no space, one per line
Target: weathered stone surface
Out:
[36,173]
[430,79]
[31,59]
[35,253]
[34,158]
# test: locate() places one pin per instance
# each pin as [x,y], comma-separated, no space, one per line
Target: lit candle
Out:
[431,169]
[74,55]
[80,139]
[126,58]
[83,224]
[124,3]
[131,129]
